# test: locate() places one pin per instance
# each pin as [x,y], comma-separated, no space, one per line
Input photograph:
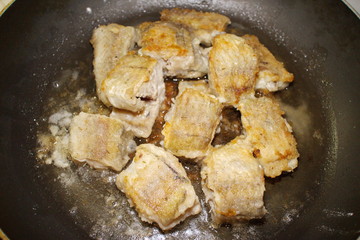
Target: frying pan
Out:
[319,41]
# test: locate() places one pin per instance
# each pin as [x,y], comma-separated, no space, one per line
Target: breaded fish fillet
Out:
[204,25]
[110,43]
[174,45]
[233,66]
[157,186]
[100,141]
[269,133]
[272,75]
[191,123]
[133,82]
[233,183]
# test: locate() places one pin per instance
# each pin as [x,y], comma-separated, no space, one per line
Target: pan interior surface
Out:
[48,59]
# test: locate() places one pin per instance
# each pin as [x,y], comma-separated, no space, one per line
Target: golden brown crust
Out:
[270,69]
[271,137]
[191,124]
[174,45]
[233,65]
[195,19]
[164,39]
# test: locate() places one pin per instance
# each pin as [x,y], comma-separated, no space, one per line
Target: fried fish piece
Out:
[133,82]
[191,123]
[233,183]
[100,141]
[272,75]
[200,85]
[110,43]
[157,186]
[136,87]
[141,123]
[270,134]
[204,25]
[173,44]
[233,66]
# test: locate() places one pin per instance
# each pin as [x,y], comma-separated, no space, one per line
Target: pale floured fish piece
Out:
[157,186]
[233,183]
[110,43]
[141,123]
[133,82]
[100,141]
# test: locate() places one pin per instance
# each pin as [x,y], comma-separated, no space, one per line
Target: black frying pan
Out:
[318,40]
